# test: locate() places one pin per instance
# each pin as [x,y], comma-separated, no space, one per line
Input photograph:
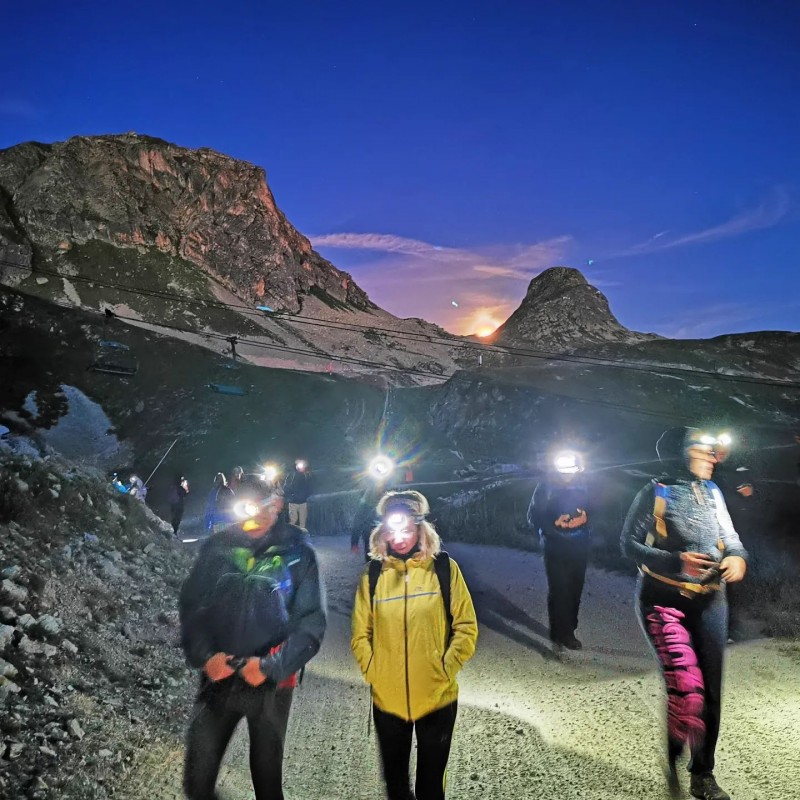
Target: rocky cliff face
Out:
[134,191]
[561,311]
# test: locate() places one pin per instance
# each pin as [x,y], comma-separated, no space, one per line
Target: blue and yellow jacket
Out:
[675,516]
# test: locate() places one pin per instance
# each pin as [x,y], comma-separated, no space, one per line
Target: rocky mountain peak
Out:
[562,311]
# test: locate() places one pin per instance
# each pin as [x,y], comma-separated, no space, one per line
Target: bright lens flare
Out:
[380,466]
[270,472]
[246,509]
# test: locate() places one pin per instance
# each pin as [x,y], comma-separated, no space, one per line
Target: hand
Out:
[218,667]
[577,521]
[562,521]
[251,672]
[354,548]
[696,565]
[733,569]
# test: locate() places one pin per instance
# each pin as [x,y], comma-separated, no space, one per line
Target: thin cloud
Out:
[706,321]
[19,109]
[464,289]
[517,262]
[767,214]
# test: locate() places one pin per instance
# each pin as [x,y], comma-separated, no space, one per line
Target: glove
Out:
[251,672]
[577,522]
[218,667]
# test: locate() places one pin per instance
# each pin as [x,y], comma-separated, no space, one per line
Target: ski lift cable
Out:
[264,345]
[648,367]
[659,414]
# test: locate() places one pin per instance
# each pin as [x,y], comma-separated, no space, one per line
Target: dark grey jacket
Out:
[306,606]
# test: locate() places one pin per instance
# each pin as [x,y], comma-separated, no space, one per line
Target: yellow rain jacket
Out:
[401,643]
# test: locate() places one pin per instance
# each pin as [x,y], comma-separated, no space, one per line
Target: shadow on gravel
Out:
[499,756]
[330,756]
[496,611]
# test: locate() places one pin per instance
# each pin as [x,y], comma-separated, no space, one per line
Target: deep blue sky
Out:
[464,146]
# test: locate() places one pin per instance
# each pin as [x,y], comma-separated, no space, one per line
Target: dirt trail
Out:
[530,725]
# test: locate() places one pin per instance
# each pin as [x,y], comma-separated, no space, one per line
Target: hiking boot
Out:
[571,642]
[673,783]
[705,787]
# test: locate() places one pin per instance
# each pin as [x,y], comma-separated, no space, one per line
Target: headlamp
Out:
[709,439]
[381,466]
[246,509]
[270,472]
[567,462]
[300,465]
[398,517]
[397,522]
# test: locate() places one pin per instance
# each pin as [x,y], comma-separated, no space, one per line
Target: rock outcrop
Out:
[562,311]
[134,191]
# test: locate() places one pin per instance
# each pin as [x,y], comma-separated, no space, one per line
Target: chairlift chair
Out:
[114,358]
[221,388]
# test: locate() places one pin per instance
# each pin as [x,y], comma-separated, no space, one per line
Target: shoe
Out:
[705,787]
[673,783]
[571,642]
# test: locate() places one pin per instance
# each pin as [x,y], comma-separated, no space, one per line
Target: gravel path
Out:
[587,725]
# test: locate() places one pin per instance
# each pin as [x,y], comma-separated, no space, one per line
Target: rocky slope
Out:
[200,242]
[89,668]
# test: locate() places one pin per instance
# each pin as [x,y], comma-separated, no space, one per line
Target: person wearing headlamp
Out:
[408,646]
[252,615]
[559,512]
[379,478]
[680,534]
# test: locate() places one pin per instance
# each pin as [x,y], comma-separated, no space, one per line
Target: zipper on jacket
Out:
[405,638]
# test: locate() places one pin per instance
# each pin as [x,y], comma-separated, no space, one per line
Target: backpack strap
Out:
[374,570]
[441,566]
[660,495]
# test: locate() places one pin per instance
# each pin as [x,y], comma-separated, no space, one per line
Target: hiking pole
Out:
[162,459]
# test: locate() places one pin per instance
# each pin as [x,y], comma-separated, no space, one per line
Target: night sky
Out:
[447,152]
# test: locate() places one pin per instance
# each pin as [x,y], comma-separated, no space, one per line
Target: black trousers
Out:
[434,735]
[177,516]
[217,710]
[688,636]
[565,560]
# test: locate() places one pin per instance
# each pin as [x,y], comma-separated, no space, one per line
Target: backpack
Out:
[661,493]
[247,612]
[441,566]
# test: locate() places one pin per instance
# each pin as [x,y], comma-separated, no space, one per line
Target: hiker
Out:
[365,518]
[680,534]
[380,475]
[237,477]
[296,490]
[559,512]
[413,629]
[177,498]
[252,615]
[219,507]
[137,488]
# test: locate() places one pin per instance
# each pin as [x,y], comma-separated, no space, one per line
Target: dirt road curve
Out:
[530,726]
